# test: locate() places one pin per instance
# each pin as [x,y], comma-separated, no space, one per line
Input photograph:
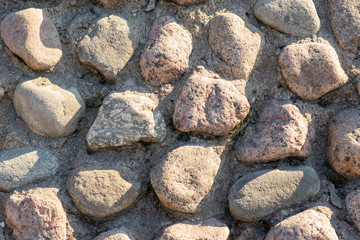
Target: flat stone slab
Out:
[19,167]
[261,193]
[297,18]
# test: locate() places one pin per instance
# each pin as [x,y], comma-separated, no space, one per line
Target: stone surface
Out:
[345,22]
[209,104]
[307,225]
[116,234]
[344,143]
[166,55]
[32,36]
[236,42]
[111,3]
[107,46]
[261,193]
[125,118]
[311,69]
[2,92]
[48,109]
[36,214]
[281,131]
[103,192]
[297,18]
[184,177]
[19,167]
[187,2]
[353,207]
[210,229]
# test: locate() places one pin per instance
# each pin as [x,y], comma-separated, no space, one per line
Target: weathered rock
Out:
[103,192]
[345,22]
[36,214]
[184,177]
[281,131]
[108,46]
[167,52]
[307,225]
[311,69]
[2,92]
[116,234]
[236,42]
[297,18]
[126,118]
[261,193]
[19,167]
[344,143]
[210,229]
[187,2]
[353,207]
[32,36]
[111,3]
[209,104]
[48,109]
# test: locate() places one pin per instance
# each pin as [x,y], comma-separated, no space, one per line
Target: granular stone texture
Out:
[103,192]
[311,69]
[236,42]
[261,193]
[345,22]
[112,3]
[116,234]
[32,36]
[307,225]
[280,132]
[19,167]
[187,2]
[125,118]
[210,229]
[167,52]
[36,214]
[184,177]
[353,207]
[297,18]
[344,143]
[209,104]
[108,46]
[48,109]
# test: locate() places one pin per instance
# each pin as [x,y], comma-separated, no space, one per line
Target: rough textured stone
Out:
[48,109]
[111,3]
[210,229]
[107,46]
[344,143]
[19,167]
[2,92]
[353,207]
[261,193]
[184,177]
[297,18]
[311,69]
[187,2]
[116,234]
[209,104]
[126,118]
[103,192]
[32,35]
[167,52]
[281,131]
[36,214]
[345,22]
[236,42]
[307,225]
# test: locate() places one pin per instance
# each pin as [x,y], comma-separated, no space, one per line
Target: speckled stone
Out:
[115,234]
[353,207]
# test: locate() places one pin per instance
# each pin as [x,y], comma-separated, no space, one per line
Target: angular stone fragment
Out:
[116,234]
[209,104]
[19,167]
[261,193]
[311,69]
[353,207]
[125,118]
[167,52]
[345,22]
[343,150]
[236,42]
[103,192]
[187,2]
[297,18]
[108,46]
[48,109]
[111,3]
[184,177]
[210,229]
[32,36]
[280,132]
[307,225]
[36,214]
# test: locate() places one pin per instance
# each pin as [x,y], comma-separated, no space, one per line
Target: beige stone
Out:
[353,207]
[115,234]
